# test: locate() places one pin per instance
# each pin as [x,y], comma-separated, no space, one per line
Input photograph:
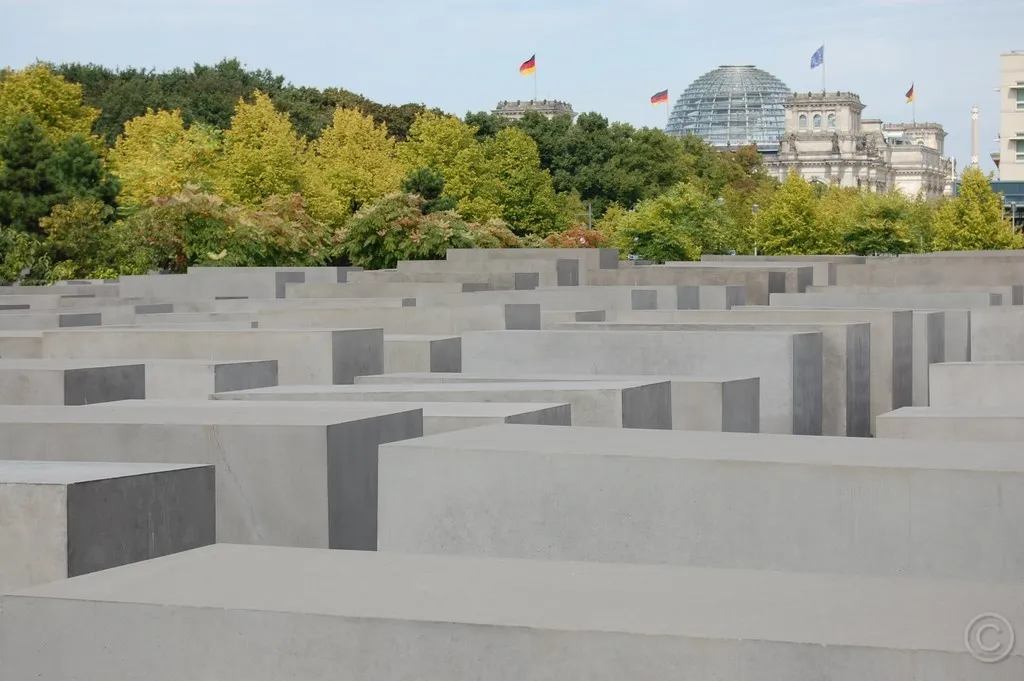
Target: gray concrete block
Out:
[846,366]
[896,299]
[789,364]
[263,614]
[997,335]
[39,321]
[549,318]
[303,356]
[929,348]
[614,404]
[174,379]
[412,353]
[967,424]
[1011,294]
[70,382]
[758,282]
[287,474]
[409,320]
[976,384]
[892,341]
[60,520]
[731,405]
[21,344]
[725,500]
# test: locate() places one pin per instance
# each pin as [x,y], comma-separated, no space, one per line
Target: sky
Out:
[607,56]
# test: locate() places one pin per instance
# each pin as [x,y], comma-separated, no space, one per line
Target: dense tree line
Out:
[116,172]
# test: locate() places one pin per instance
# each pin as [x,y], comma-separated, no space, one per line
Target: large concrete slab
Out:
[789,364]
[894,299]
[21,344]
[265,614]
[698,403]
[613,404]
[404,353]
[846,366]
[60,520]
[967,424]
[1011,294]
[997,335]
[727,500]
[177,379]
[410,320]
[70,382]
[287,474]
[976,384]
[40,321]
[757,282]
[892,341]
[303,355]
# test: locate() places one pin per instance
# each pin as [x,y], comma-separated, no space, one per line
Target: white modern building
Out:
[827,140]
[1010,157]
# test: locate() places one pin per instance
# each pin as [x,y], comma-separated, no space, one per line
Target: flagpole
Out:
[913,104]
[535,82]
[823,67]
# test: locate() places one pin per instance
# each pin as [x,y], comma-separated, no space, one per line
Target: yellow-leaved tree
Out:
[353,163]
[974,220]
[54,103]
[263,156]
[157,156]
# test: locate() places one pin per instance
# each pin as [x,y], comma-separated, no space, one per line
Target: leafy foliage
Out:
[157,156]
[790,225]
[974,221]
[354,162]
[54,103]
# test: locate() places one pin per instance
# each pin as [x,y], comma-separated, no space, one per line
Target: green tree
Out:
[77,237]
[28,187]
[428,184]
[681,224]
[790,225]
[354,162]
[55,104]
[880,225]
[79,172]
[396,228]
[157,156]
[974,220]
[525,194]
[262,155]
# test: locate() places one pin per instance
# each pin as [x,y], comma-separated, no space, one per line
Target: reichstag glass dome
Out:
[732,106]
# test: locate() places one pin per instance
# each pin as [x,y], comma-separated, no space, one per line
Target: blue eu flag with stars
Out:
[818,58]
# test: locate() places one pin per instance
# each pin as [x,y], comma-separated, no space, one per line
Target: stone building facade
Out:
[827,140]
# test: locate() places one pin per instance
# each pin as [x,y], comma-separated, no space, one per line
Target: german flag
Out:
[660,98]
[529,66]
[910,94]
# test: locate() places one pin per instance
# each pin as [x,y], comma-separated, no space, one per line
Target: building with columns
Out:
[827,140]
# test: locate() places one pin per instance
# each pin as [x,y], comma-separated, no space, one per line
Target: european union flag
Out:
[818,58]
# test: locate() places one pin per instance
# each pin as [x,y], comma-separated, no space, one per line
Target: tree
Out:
[428,184]
[790,225]
[880,225]
[157,156]
[524,192]
[435,142]
[79,172]
[55,104]
[680,224]
[396,228]
[77,237]
[974,220]
[354,162]
[28,188]
[262,155]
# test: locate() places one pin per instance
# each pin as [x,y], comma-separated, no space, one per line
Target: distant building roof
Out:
[546,107]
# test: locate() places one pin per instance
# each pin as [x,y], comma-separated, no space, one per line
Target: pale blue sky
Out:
[601,55]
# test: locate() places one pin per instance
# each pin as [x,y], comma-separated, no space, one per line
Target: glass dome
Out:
[732,106]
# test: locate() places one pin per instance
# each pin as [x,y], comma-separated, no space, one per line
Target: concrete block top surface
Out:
[1009,411]
[879,612]
[61,364]
[412,388]
[410,338]
[770,448]
[446,409]
[69,473]
[172,412]
[441,377]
